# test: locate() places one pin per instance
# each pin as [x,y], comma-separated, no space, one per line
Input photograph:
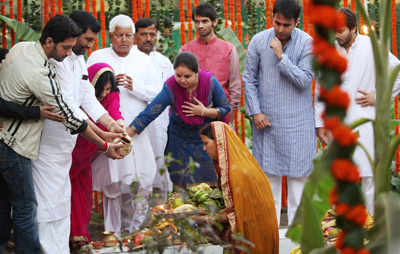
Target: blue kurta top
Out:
[184,140]
[282,90]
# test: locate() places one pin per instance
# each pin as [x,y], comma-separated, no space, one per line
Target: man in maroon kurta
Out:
[216,55]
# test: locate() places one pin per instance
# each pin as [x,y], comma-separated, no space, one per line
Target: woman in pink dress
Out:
[101,75]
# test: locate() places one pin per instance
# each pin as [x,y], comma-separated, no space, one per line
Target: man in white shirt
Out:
[359,83]
[51,169]
[28,77]
[134,73]
[146,36]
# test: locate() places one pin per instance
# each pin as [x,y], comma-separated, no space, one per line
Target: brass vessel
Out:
[109,239]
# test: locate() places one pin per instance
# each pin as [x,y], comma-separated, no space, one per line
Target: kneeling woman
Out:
[245,187]
[196,98]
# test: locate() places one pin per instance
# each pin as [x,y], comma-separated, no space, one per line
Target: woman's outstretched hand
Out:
[191,109]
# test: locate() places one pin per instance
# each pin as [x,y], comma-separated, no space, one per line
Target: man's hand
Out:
[125,81]
[131,131]
[110,136]
[368,99]
[46,112]
[276,46]
[324,135]
[116,127]
[112,151]
[261,121]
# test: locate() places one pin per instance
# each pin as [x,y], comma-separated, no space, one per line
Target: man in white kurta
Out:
[359,83]
[146,38]
[51,169]
[134,73]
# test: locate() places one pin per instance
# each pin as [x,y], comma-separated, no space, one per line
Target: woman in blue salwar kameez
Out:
[196,98]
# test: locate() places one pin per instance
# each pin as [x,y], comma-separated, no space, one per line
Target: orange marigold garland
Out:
[226,13]
[147,8]
[140,8]
[182,20]
[268,14]
[189,19]
[11,13]
[232,13]
[94,11]
[19,10]
[134,10]
[346,196]
[103,25]
[53,7]
[59,7]
[87,5]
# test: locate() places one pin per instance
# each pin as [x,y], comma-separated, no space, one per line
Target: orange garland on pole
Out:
[11,12]
[189,19]
[232,10]
[346,3]
[87,5]
[103,24]
[19,10]
[226,13]
[59,7]
[140,7]
[3,26]
[94,12]
[268,13]
[52,8]
[147,8]
[134,10]
[196,2]
[45,11]
[182,20]
[396,100]
[353,5]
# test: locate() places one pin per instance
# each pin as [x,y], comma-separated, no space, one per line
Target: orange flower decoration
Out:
[335,97]
[342,208]
[345,170]
[357,214]
[339,240]
[344,135]
[347,251]
[331,18]
[333,196]
[332,122]
[327,55]
[363,251]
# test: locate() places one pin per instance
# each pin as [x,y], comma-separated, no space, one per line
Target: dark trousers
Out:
[17,193]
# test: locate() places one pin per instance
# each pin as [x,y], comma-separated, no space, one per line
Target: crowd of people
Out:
[63,121]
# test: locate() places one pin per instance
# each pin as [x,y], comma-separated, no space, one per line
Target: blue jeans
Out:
[16,172]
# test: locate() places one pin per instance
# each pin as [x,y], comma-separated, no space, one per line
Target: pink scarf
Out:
[181,96]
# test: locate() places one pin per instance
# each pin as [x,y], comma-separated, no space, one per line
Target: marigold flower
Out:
[357,214]
[341,208]
[332,19]
[363,251]
[347,250]
[345,170]
[331,122]
[333,196]
[335,96]
[326,54]
[339,240]
[344,135]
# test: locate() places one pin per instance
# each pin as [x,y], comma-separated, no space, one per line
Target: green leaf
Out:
[228,35]
[23,32]
[327,250]
[386,232]
[306,227]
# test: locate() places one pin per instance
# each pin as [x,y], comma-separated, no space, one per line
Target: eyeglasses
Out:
[128,36]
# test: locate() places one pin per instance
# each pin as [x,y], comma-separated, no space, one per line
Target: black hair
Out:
[85,21]
[166,22]
[60,28]
[102,82]
[205,10]
[206,130]
[144,22]
[351,19]
[3,53]
[188,60]
[290,9]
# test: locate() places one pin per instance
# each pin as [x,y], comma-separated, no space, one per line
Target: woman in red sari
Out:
[101,75]
[247,194]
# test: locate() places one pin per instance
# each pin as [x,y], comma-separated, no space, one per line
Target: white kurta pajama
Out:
[51,169]
[159,127]
[138,66]
[360,75]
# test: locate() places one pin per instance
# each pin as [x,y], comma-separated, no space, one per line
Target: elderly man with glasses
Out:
[135,75]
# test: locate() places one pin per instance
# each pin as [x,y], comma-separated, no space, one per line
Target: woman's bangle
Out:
[104,148]
[203,112]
